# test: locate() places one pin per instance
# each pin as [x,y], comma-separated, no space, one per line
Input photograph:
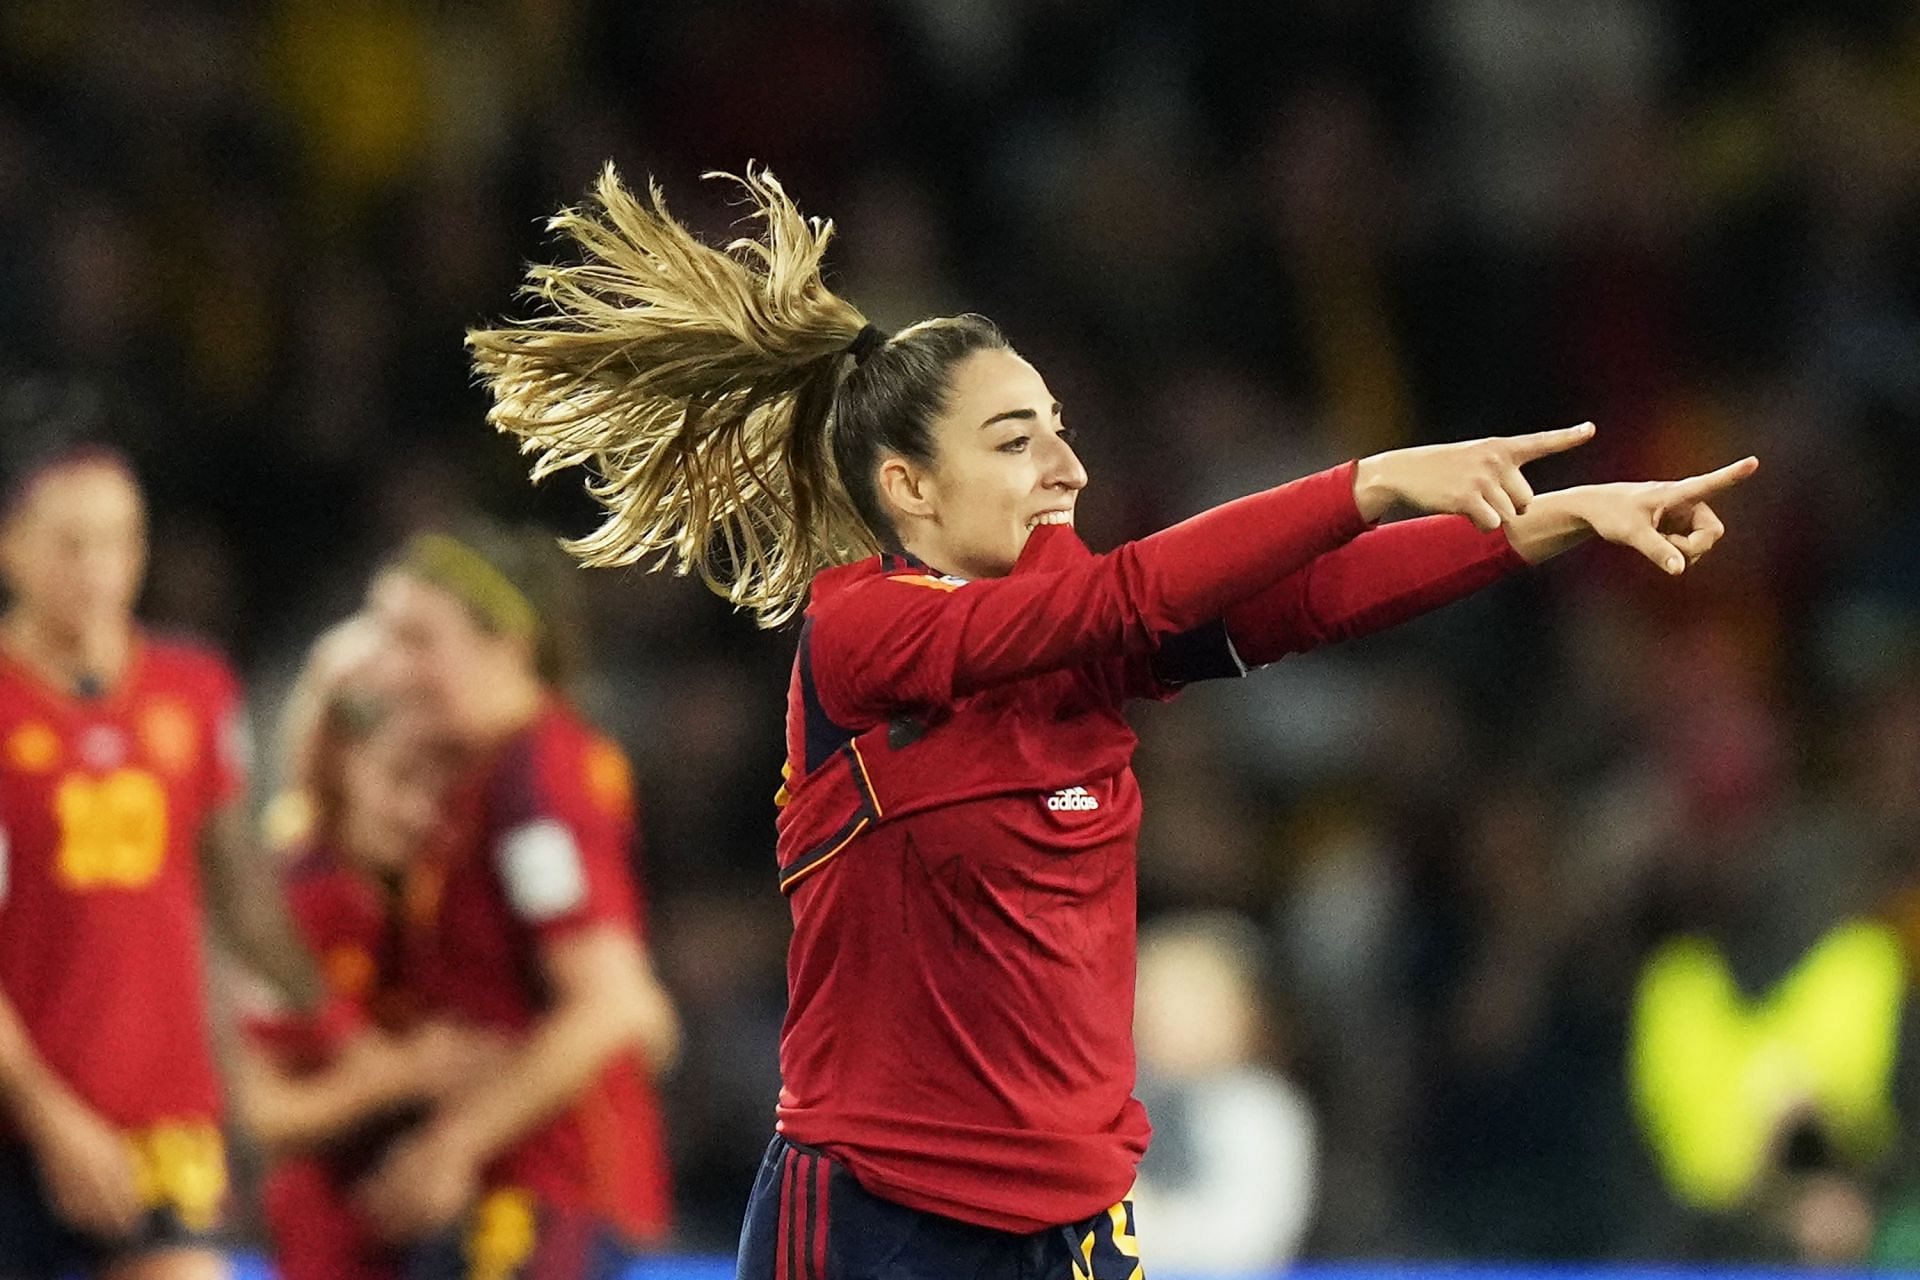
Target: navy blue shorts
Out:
[36,1242]
[809,1220]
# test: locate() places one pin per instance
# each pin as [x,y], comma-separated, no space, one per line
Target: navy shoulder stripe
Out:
[824,737]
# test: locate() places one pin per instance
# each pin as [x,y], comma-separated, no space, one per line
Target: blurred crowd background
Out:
[1242,241]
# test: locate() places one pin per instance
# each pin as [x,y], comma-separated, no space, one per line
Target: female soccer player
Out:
[524,920]
[958,834]
[328,1092]
[121,770]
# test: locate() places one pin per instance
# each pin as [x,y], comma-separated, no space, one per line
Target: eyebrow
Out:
[1018,415]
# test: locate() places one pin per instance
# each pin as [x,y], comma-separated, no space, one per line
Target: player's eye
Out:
[1069,434]
[1016,445]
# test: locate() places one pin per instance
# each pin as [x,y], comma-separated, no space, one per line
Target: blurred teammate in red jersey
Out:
[523,918]
[958,837]
[328,1092]
[122,766]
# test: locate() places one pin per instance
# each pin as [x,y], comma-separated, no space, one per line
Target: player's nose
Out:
[1064,468]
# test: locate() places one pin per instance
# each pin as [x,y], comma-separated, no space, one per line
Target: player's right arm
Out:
[244,906]
[85,1161]
[893,644]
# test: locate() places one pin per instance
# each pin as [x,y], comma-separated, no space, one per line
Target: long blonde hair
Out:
[715,395]
[695,384]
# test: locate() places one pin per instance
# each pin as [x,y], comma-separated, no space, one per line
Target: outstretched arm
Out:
[1377,581]
[1667,521]
[1390,575]
[891,644]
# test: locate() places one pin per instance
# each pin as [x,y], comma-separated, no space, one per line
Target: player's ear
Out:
[905,487]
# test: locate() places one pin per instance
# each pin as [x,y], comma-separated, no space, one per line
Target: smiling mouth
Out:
[1050,517]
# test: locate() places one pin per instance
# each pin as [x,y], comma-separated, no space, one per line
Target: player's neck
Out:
[930,552]
[84,661]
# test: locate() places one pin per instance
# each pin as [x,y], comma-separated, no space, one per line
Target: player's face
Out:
[75,548]
[1003,464]
[392,785]
[441,658]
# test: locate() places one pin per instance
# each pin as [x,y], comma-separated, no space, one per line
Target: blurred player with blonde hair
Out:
[327,1093]
[523,917]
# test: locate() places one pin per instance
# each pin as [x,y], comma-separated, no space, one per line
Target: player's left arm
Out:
[1667,521]
[246,912]
[1384,577]
[244,907]
[1397,572]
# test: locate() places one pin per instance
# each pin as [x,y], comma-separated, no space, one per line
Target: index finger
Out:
[1694,488]
[1541,443]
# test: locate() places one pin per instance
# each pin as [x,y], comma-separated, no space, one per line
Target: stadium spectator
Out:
[1229,1130]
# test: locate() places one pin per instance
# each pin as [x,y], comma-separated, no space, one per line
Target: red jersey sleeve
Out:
[1382,578]
[563,833]
[1379,580]
[910,642]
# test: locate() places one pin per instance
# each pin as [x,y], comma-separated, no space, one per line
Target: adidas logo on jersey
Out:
[1072,800]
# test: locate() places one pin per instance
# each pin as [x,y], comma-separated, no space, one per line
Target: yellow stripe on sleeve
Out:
[823,859]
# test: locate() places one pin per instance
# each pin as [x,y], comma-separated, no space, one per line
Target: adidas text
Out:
[1072,800]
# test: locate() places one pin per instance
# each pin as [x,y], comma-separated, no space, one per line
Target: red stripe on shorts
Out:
[822,1173]
[783,1242]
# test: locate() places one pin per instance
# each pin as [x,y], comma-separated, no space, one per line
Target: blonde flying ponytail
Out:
[695,384]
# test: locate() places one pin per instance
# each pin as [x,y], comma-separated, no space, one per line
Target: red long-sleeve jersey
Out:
[958,836]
